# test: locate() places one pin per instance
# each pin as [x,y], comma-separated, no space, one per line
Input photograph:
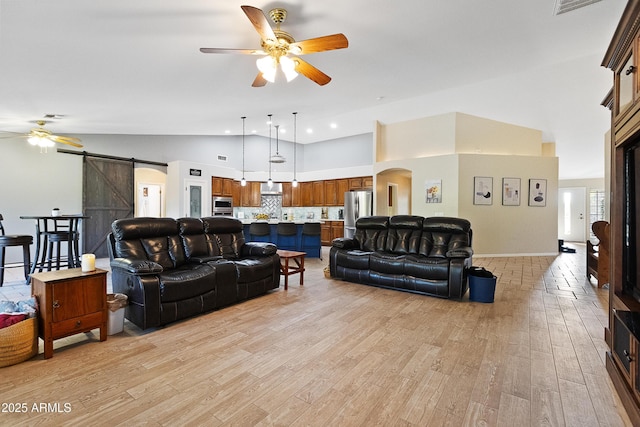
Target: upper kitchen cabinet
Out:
[331,192]
[216,186]
[250,194]
[342,186]
[318,193]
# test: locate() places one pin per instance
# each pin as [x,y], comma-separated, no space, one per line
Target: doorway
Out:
[572,205]
[195,203]
[149,200]
[392,199]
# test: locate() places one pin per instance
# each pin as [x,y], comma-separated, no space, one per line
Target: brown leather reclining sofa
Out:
[173,269]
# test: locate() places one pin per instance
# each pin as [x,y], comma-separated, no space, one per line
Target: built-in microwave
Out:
[222,206]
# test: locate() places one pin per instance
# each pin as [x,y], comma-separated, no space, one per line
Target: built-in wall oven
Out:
[222,206]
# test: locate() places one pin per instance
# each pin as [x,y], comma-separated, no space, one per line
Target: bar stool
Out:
[65,230]
[310,242]
[287,236]
[15,240]
[259,232]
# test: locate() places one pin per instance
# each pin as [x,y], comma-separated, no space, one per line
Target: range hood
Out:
[276,188]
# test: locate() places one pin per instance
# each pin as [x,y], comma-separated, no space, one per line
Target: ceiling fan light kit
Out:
[277,45]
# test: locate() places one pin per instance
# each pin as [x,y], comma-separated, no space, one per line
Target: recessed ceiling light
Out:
[283,131]
[227,131]
[254,131]
[333,126]
[309,130]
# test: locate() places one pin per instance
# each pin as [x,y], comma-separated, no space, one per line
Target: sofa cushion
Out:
[355,259]
[443,234]
[432,268]
[193,237]
[388,263]
[225,236]
[153,239]
[254,269]
[404,234]
[183,283]
[371,233]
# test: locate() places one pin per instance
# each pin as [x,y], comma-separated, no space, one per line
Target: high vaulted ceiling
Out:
[134,67]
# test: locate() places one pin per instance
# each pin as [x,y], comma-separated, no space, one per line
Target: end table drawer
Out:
[76,325]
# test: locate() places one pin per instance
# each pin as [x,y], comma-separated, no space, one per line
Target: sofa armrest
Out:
[345,243]
[465,252]
[258,248]
[137,266]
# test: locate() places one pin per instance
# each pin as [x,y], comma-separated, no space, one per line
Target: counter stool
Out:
[259,232]
[287,236]
[65,231]
[15,240]
[311,243]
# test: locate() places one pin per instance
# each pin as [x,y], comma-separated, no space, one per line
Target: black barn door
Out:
[107,195]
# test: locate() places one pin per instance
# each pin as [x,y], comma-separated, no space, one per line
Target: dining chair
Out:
[6,241]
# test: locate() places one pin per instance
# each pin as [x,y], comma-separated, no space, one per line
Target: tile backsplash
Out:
[271,205]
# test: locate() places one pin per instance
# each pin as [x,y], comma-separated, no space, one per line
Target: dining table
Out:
[49,230]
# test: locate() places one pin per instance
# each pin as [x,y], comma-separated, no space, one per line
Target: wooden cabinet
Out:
[296,197]
[236,193]
[330,230]
[216,186]
[306,193]
[227,187]
[330,193]
[355,183]
[367,182]
[337,229]
[325,233]
[318,194]
[70,302]
[250,194]
[287,193]
[622,57]
[361,183]
[342,187]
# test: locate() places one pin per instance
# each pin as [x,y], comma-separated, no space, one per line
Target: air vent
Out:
[222,158]
[563,6]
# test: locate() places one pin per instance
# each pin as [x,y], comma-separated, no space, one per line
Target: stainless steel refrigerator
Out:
[356,204]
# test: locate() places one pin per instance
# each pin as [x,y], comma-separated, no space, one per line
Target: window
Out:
[596,209]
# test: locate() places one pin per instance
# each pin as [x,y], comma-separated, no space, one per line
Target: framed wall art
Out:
[537,192]
[433,191]
[482,190]
[511,191]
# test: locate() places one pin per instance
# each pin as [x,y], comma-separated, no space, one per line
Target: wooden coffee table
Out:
[288,269]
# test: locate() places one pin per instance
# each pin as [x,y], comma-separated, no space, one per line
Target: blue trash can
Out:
[482,285]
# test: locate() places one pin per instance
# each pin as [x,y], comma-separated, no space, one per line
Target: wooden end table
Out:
[70,302]
[288,269]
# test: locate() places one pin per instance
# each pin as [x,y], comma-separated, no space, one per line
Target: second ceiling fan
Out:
[277,45]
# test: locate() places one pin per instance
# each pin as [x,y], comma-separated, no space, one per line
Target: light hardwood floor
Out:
[333,353]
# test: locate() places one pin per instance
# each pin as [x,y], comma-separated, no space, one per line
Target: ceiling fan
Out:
[277,45]
[44,138]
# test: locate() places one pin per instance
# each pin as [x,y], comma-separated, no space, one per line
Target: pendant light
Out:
[270,181]
[294,183]
[243,182]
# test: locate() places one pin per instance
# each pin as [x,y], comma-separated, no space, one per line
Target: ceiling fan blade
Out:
[260,23]
[259,81]
[223,50]
[311,72]
[319,44]
[66,140]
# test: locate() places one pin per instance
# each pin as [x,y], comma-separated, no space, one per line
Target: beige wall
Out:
[401,178]
[480,147]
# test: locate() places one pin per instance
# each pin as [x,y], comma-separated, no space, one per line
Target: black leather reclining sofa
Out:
[406,252]
[172,269]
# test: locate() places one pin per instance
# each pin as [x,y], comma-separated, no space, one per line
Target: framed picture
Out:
[433,191]
[511,191]
[537,192]
[482,190]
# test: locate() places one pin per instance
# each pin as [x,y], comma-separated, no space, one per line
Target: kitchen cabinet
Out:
[342,187]
[306,193]
[250,194]
[355,183]
[367,182]
[330,193]
[227,187]
[236,193]
[216,186]
[318,193]
[330,230]
[287,194]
